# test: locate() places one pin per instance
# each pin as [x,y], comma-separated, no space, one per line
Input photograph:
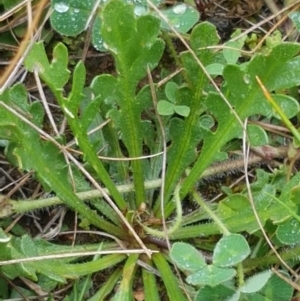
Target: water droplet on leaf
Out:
[246,79]
[179,9]
[61,7]
[140,10]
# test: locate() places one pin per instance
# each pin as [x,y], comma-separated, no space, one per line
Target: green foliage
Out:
[72,17]
[228,252]
[167,108]
[199,129]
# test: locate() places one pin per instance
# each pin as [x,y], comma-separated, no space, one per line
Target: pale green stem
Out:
[210,212]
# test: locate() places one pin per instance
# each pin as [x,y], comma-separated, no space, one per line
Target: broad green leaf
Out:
[165,108]
[170,91]
[211,275]
[187,257]
[181,17]
[215,69]
[257,135]
[288,105]
[277,289]
[289,232]
[233,52]
[256,282]
[219,292]
[230,250]
[46,159]
[134,44]
[182,110]
[233,205]
[278,70]
[206,122]
[56,74]
[97,39]
[92,119]
[186,134]
[70,17]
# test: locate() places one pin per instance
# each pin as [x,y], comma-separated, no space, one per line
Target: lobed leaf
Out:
[277,71]
[56,73]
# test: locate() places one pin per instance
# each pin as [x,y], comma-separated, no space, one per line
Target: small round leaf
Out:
[289,232]
[165,108]
[211,275]
[187,257]
[257,135]
[181,17]
[182,110]
[230,250]
[256,282]
[69,17]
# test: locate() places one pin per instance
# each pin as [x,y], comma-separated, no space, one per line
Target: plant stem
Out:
[9,207]
[213,216]
[240,275]
[12,207]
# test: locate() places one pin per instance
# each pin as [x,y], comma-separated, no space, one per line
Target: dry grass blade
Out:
[7,77]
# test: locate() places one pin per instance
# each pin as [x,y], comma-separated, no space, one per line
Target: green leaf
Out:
[211,275]
[150,284]
[289,232]
[182,110]
[256,282]
[186,134]
[216,293]
[56,74]
[232,55]
[206,122]
[230,250]
[181,17]
[134,44]
[257,135]
[97,39]
[288,105]
[70,17]
[277,71]
[125,292]
[46,159]
[165,108]
[187,257]
[215,69]
[108,286]
[277,289]
[3,237]
[170,91]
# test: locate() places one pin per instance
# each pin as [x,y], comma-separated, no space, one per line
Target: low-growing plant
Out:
[163,138]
